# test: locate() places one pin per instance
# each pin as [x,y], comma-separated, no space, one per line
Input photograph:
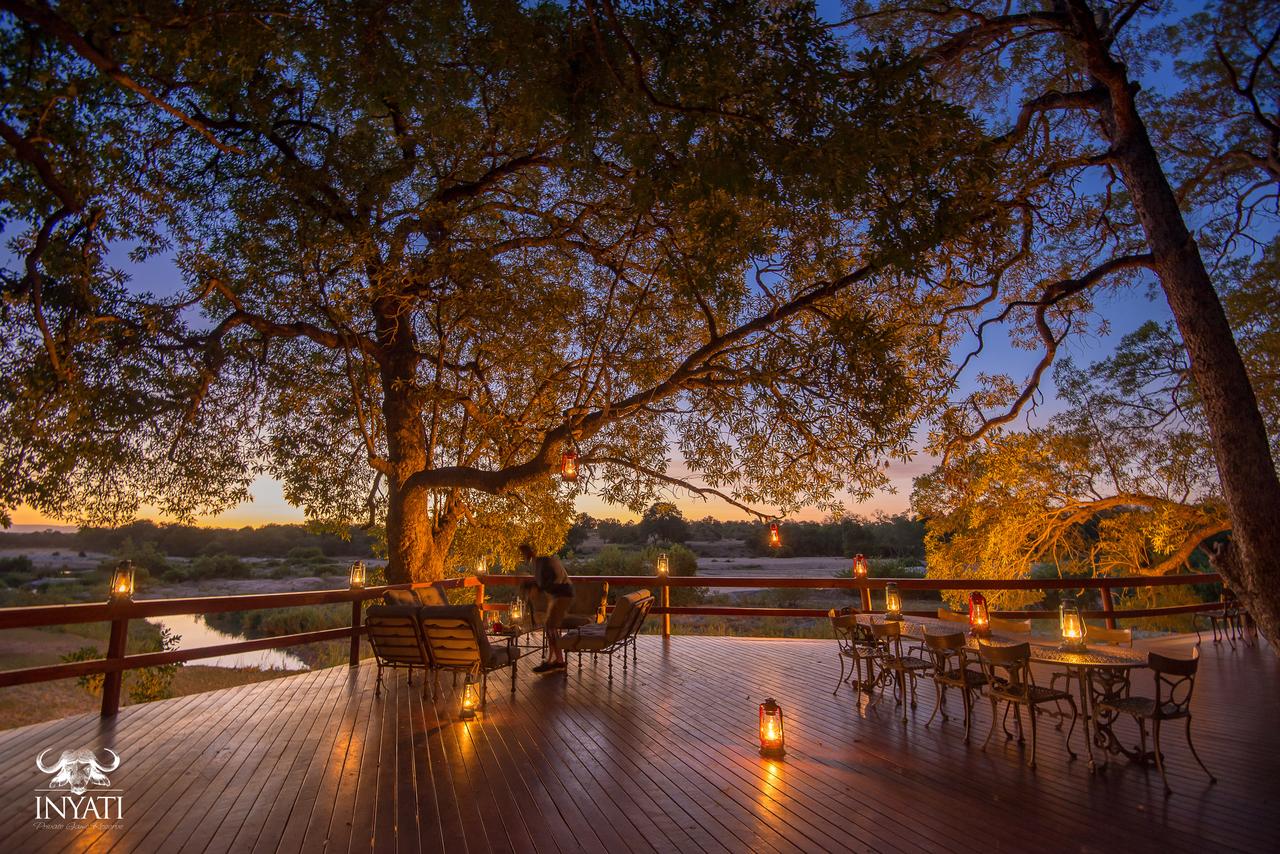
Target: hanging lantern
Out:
[979,619]
[470,699]
[772,742]
[122,582]
[775,539]
[569,465]
[859,566]
[664,564]
[1072,624]
[358,575]
[892,602]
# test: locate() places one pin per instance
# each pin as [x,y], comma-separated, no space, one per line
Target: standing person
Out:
[550,577]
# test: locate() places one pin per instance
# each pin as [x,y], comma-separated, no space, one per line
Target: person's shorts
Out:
[555,612]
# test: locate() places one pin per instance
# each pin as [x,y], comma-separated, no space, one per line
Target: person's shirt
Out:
[550,576]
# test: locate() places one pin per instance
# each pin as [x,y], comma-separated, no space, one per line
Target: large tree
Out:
[421,249]
[1097,208]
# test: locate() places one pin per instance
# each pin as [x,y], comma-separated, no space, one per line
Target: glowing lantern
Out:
[979,619]
[470,699]
[122,581]
[569,465]
[516,612]
[664,564]
[772,742]
[775,539]
[892,602]
[482,565]
[1072,624]
[358,575]
[859,566]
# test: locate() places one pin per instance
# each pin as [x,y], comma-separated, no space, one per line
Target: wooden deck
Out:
[662,760]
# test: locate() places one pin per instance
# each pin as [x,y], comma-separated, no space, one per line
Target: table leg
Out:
[1086,712]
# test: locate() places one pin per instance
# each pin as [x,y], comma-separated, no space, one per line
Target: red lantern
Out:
[569,465]
[775,539]
[979,620]
[859,566]
[772,741]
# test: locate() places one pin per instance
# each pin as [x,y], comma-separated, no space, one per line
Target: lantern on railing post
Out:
[664,563]
[775,538]
[470,698]
[482,565]
[1072,624]
[569,465]
[979,619]
[358,575]
[122,582]
[860,567]
[892,602]
[772,740]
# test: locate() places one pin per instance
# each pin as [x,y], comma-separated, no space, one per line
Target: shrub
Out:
[217,566]
[17,564]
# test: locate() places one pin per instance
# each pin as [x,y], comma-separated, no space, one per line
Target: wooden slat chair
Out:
[615,634]
[949,655]
[456,641]
[1175,682]
[432,594]
[589,603]
[396,637]
[1011,627]
[855,643]
[1009,678]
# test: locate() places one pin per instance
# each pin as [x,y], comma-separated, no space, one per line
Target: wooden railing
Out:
[118,614]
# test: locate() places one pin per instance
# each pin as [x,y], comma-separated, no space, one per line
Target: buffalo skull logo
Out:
[79,769]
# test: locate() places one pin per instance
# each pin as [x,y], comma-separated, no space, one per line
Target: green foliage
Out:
[662,522]
[156,683]
[91,682]
[14,566]
[613,560]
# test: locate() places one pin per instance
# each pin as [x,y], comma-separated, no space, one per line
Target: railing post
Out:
[1109,607]
[480,591]
[866,596]
[112,682]
[666,603]
[356,620]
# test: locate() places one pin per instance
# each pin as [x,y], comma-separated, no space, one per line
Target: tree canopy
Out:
[423,248]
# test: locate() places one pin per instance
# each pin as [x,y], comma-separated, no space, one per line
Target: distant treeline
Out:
[190,541]
[882,536]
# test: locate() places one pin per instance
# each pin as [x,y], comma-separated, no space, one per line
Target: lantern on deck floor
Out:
[775,538]
[979,619]
[892,602]
[470,699]
[859,566]
[358,575]
[772,742]
[569,465]
[122,582]
[664,564]
[516,613]
[1072,624]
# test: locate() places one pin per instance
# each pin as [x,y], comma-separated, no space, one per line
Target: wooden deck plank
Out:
[661,759]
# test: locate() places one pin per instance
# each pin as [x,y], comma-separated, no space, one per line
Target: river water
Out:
[195,632]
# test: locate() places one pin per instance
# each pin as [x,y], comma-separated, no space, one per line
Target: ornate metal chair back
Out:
[1175,683]
[1008,669]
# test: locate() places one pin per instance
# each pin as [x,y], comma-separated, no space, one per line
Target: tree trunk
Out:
[412,552]
[1238,434]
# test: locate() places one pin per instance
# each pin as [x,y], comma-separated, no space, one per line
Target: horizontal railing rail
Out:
[119,613]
